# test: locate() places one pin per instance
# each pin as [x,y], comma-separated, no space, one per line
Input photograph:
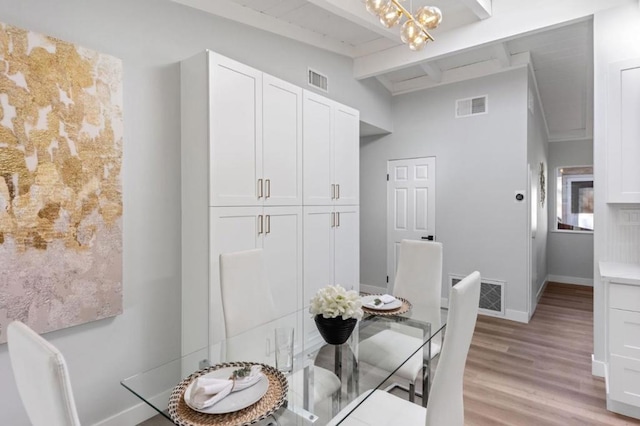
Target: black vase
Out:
[335,331]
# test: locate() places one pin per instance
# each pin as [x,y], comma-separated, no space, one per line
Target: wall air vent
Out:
[472,106]
[317,80]
[491,295]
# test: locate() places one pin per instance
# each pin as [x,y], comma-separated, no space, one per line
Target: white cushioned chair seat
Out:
[387,349]
[325,383]
[389,411]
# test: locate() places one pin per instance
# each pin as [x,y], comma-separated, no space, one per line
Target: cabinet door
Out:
[281,142]
[282,243]
[235,149]
[346,142]
[232,229]
[623,132]
[318,249]
[347,247]
[317,151]
[624,383]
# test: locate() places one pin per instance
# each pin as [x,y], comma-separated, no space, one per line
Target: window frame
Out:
[558,201]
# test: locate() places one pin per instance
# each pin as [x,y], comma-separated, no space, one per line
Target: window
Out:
[574,198]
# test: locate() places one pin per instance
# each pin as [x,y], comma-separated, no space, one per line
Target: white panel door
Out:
[317,151]
[282,243]
[281,142]
[232,229]
[347,247]
[346,157]
[235,149]
[411,205]
[318,249]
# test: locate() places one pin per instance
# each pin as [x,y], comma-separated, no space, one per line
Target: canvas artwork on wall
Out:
[60,182]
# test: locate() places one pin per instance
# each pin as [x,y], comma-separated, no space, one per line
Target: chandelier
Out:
[414,29]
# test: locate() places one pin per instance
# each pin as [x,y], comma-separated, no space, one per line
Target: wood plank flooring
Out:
[538,373]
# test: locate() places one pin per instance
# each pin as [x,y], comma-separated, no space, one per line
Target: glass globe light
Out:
[419,42]
[375,7]
[429,16]
[390,15]
[410,30]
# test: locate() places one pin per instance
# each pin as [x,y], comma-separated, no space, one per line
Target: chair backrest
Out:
[41,377]
[419,275]
[445,406]
[246,297]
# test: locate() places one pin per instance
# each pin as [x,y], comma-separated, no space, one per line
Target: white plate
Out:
[367,302]
[235,400]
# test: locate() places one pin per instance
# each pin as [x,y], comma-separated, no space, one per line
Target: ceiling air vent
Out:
[318,80]
[471,106]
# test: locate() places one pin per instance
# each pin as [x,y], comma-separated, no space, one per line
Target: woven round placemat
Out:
[183,415]
[406,306]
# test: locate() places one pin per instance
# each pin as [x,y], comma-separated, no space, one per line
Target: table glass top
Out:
[371,358]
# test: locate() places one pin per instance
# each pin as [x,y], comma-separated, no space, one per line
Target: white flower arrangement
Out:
[335,301]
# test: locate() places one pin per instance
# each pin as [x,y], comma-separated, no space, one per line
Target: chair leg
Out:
[412,392]
[426,382]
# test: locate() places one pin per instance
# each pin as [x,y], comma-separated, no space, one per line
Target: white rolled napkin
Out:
[385,298]
[207,391]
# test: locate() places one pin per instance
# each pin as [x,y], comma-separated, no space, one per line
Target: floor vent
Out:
[472,106]
[491,295]
[319,81]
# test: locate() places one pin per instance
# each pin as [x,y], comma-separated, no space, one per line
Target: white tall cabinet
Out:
[244,177]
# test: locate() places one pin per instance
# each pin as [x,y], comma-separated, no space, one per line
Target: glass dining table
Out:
[302,401]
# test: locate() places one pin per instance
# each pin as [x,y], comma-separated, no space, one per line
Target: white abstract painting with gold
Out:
[60,182]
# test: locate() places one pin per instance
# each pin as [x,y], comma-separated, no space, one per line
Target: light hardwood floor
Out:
[538,373]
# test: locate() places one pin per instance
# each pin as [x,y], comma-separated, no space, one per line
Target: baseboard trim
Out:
[570,280]
[519,316]
[372,289]
[136,414]
[541,290]
[598,368]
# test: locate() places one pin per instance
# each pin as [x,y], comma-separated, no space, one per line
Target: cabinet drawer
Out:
[622,296]
[624,383]
[624,337]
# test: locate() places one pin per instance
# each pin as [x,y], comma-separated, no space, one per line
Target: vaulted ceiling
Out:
[476,38]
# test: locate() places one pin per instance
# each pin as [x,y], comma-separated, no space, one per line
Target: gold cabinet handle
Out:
[337,219]
[268,227]
[338,193]
[259,188]
[260,230]
[333,220]
[267,183]
[333,191]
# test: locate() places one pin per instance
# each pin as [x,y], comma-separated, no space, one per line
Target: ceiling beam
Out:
[433,71]
[356,12]
[244,15]
[455,75]
[523,17]
[384,80]
[481,8]
[502,54]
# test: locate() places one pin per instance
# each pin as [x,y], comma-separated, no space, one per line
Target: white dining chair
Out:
[445,405]
[419,280]
[41,377]
[247,303]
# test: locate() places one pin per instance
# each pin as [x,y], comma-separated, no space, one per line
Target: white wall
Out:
[151,37]
[570,254]
[615,33]
[537,152]
[480,162]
